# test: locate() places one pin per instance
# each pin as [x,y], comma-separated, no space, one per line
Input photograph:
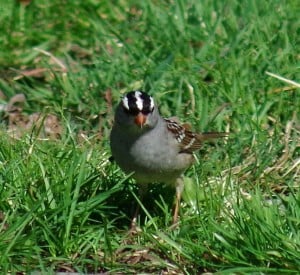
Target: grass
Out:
[65,207]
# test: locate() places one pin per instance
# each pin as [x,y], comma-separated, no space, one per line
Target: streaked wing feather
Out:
[189,141]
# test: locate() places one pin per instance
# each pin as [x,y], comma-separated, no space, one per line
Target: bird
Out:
[153,149]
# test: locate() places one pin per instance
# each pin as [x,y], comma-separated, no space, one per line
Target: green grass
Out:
[65,207]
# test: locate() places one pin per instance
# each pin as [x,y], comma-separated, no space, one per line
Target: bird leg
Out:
[179,189]
[142,191]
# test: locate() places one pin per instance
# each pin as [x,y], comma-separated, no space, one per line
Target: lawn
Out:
[220,65]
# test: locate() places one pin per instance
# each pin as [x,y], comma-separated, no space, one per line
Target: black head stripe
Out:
[136,101]
[148,105]
[129,103]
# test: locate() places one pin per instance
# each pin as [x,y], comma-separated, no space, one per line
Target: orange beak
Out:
[140,120]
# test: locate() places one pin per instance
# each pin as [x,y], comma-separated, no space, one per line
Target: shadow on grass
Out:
[123,203]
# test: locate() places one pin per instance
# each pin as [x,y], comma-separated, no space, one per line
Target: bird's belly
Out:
[153,157]
[155,163]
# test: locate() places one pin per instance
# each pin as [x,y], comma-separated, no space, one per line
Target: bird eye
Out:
[147,111]
[131,111]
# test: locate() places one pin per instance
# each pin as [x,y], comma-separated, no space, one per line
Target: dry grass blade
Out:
[37,73]
[53,58]
[283,89]
[295,84]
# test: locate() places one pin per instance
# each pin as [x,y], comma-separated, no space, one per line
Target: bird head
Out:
[137,111]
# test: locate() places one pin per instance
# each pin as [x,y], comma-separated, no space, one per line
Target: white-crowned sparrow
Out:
[153,148]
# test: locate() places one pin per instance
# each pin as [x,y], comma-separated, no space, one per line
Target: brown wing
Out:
[189,141]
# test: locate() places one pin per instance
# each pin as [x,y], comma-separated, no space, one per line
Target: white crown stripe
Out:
[139,100]
[151,103]
[125,102]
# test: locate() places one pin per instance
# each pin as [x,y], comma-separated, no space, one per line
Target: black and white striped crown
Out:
[136,102]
